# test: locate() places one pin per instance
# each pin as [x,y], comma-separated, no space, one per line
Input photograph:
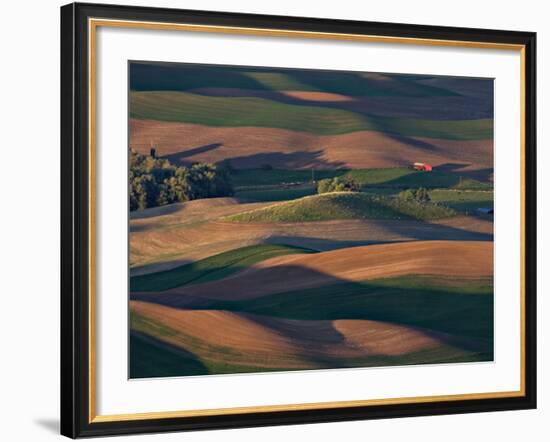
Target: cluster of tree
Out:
[338,185]
[420,195]
[157,182]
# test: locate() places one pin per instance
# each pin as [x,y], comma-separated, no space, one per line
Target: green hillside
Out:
[342,205]
[398,177]
[260,112]
[211,268]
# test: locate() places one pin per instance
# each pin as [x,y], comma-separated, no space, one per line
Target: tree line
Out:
[157,182]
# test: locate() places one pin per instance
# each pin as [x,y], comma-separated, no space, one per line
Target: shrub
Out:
[337,184]
[420,195]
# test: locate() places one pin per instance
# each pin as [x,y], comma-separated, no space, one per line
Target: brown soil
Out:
[250,147]
[190,231]
[469,259]
[270,342]
[166,242]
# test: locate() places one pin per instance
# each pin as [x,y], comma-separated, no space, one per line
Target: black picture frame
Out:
[75,221]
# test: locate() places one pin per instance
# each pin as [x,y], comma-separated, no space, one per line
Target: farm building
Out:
[422,167]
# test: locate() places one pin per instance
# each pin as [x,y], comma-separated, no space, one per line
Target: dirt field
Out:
[388,278]
[250,147]
[186,232]
[469,259]
[260,341]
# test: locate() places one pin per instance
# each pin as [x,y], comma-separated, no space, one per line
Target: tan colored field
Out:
[259,341]
[190,231]
[466,259]
[250,147]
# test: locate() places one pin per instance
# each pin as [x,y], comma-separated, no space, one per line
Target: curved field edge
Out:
[464,259]
[262,345]
[186,107]
[212,268]
[459,306]
[343,205]
[153,251]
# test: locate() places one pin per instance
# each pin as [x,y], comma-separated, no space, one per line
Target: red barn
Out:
[423,167]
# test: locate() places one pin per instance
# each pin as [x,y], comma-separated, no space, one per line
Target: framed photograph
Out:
[279,220]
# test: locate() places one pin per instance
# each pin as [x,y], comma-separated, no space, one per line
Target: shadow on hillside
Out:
[151,357]
[412,142]
[459,318]
[381,126]
[484,175]
[156,211]
[319,244]
[286,160]
[180,157]
[403,231]
[429,231]
[158,76]
[157,267]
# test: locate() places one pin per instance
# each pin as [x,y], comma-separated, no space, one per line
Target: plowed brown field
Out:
[250,147]
[186,232]
[259,341]
[468,259]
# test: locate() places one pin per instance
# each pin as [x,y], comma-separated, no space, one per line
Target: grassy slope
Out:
[397,177]
[463,201]
[260,112]
[212,268]
[274,194]
[342,205]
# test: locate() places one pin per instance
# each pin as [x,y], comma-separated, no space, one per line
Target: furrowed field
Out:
[394,269]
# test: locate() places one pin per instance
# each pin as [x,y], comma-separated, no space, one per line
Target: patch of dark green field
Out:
[192,108]
[211,268]
[462,308]
[151,357]
[183,77]
[463,201]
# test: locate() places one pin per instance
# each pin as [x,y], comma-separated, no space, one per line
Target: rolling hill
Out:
[423,310]
[342,205]
[468,259]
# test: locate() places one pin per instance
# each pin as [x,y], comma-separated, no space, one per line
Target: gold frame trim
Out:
[93,24]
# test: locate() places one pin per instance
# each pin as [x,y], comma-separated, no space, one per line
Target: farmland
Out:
[343,205]
[393,267]
[258,112]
